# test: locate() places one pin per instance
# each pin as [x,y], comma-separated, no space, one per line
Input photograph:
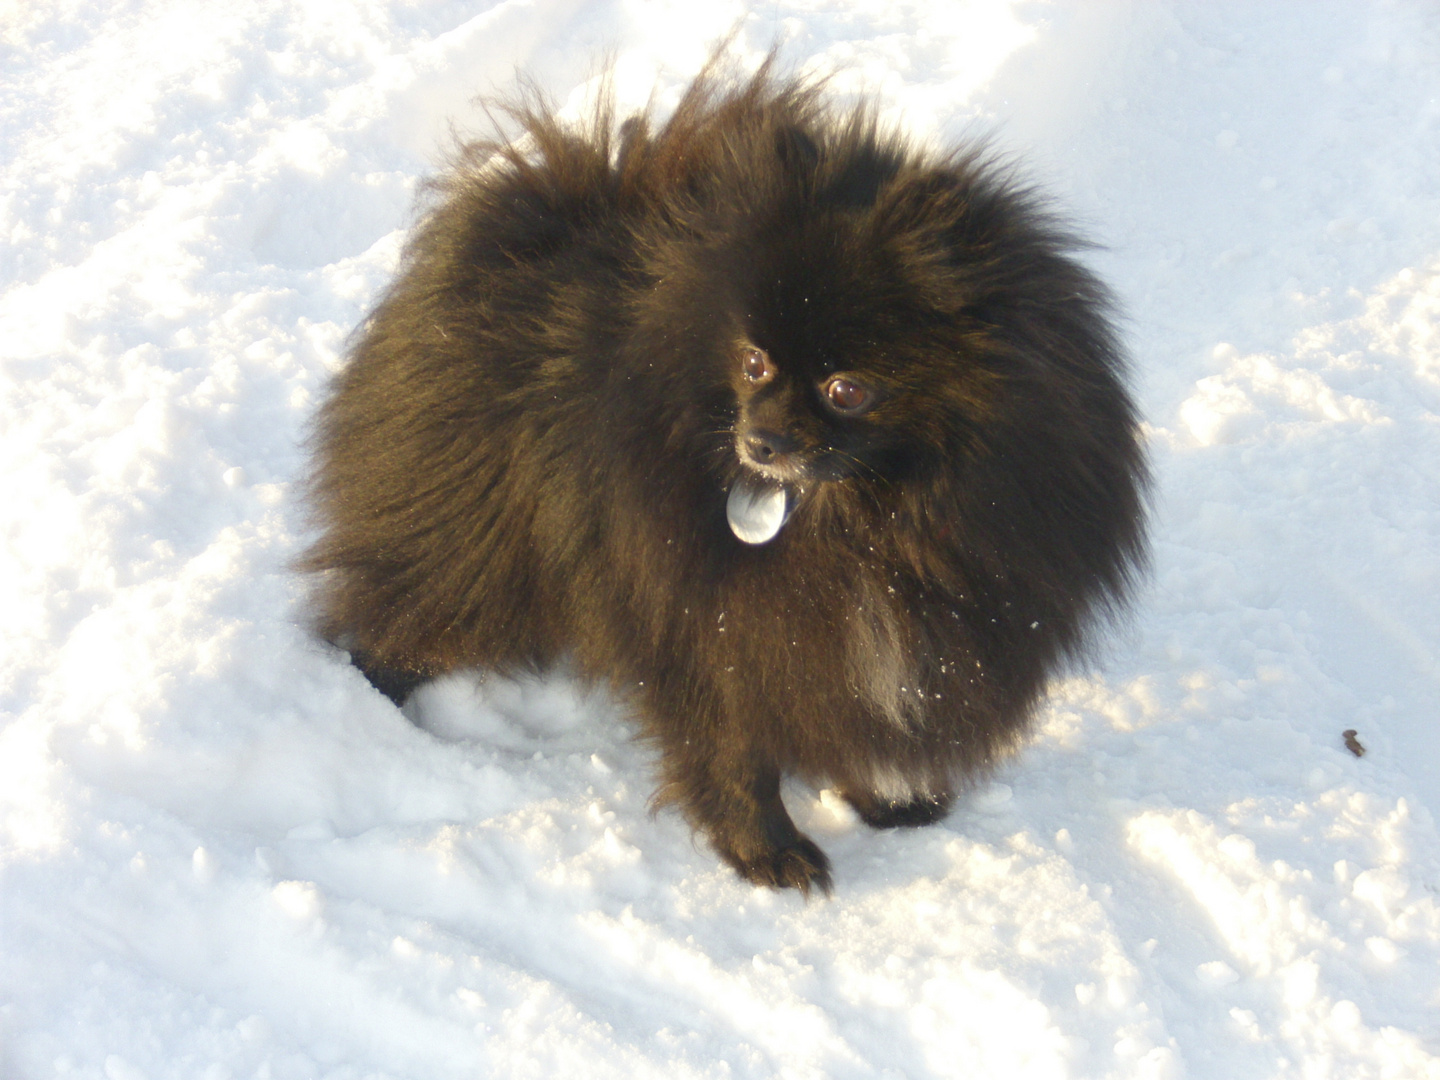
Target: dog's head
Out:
[864,316]
[856,357]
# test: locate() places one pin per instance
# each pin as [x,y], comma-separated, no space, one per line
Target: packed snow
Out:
[223,855]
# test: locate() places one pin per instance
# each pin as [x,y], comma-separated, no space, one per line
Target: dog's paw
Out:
[799,864]
[881,813]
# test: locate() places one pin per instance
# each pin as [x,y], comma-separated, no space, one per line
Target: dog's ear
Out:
[795,148]
[634,139]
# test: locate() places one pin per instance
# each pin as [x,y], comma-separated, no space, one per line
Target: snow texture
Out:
[222,855]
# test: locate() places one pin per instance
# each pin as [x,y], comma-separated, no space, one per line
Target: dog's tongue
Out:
[756,510]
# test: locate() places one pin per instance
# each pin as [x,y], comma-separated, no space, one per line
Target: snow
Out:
[223,856]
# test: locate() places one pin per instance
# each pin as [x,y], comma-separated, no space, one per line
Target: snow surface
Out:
[224,856]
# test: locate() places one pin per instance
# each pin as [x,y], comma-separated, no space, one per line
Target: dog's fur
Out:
[527,457]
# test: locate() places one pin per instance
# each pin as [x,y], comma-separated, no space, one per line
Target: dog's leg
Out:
[760,841]
[735,801]
[396,683]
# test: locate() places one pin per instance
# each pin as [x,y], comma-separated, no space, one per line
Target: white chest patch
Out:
[756,510]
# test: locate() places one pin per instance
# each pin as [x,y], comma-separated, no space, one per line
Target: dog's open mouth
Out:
[758,508]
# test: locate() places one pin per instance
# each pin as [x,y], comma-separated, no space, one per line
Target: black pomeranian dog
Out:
[812,444]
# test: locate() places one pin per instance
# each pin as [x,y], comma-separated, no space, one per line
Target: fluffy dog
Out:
[814,445]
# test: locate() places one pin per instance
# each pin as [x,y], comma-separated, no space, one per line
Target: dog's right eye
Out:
[756,365]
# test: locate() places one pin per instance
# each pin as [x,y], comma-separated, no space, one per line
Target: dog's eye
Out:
[847,397]
[756,365]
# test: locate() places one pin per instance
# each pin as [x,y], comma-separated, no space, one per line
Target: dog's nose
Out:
[765,446]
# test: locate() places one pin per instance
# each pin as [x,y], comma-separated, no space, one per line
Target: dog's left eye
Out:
[848,397]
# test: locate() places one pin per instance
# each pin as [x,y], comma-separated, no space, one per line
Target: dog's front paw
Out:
[881,813]
[798,864]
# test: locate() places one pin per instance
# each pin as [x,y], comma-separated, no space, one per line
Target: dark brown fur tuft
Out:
[528,455]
